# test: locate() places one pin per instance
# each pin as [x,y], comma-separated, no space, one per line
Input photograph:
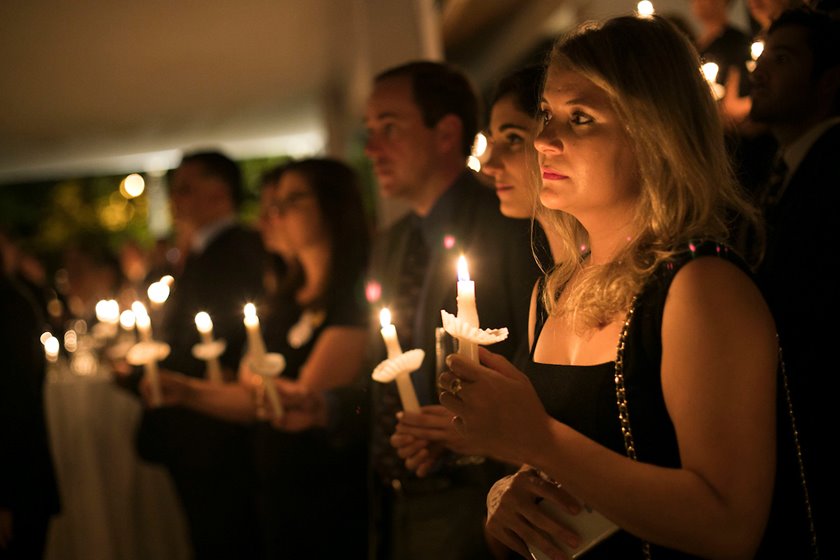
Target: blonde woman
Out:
[673,441]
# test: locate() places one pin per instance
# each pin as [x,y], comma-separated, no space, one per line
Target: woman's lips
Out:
[552,175]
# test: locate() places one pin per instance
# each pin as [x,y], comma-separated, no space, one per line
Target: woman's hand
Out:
[514,516]
[175,389]
[496,407]
[303,408]
[421,438]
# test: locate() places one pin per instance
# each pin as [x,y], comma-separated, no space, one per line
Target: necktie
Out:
[775,187]
[407,290]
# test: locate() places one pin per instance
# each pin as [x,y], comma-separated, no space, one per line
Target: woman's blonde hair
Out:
[687,189]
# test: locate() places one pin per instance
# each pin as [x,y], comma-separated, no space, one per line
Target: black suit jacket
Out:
[798,281]
[220,280]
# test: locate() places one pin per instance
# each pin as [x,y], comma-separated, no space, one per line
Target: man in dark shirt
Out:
[421,119]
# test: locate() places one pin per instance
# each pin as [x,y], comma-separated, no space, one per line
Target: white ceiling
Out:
[107,86]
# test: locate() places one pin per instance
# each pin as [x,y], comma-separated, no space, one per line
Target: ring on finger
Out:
[455,386]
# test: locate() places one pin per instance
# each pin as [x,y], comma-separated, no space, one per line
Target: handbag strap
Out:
[800,461]
[621,399]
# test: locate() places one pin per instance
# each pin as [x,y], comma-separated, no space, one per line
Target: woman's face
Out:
[586,159]
[512,161]
[295,221]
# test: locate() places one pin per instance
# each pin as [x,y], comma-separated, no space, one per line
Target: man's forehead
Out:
[391,97]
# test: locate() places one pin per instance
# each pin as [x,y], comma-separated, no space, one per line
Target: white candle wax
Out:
[256,345]
[144,326]
[389,334]
[408,396]
[273,396]
[150,367]
[467,310]
[204,324]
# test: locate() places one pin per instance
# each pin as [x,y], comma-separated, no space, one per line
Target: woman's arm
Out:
[233,402]
[718,366]
[336,359]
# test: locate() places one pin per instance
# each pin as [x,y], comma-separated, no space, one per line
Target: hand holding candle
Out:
[209,350]
[399,365]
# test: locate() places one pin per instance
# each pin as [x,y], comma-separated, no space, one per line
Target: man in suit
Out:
[795,92]
[421,119]
[210,460]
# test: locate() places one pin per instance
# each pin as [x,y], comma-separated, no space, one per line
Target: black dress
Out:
[584,397]
[312,494]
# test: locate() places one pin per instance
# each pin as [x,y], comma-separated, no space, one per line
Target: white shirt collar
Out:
[795,152]
[202,237]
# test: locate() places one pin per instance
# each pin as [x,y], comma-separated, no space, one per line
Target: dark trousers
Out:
[440,518]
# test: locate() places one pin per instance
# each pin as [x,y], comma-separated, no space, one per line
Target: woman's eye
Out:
[544,116]
[579,118]
[514,140]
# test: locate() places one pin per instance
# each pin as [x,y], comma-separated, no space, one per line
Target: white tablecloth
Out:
[114,506]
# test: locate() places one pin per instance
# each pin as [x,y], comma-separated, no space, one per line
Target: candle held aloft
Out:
[142,321]
[467,310]
[405,387]
[389,333]
[150,367]
[204,324]
[256,345]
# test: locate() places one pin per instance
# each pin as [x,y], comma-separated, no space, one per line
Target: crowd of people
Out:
[663,376]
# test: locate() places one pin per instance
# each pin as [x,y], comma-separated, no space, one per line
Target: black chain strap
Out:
[799,459]
[621,399]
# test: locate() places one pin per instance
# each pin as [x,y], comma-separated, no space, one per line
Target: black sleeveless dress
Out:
[584,398]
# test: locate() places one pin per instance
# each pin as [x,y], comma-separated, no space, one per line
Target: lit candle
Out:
[467,311]
[405,387]
[389,334]
[108,314]
[142,321]
[158,293]
[51,348]
[256,345]
[205,327]
[150,366]
[127,320]
[645,9]
[710,72]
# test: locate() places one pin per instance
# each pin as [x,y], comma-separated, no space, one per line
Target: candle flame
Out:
[45,336]
[250,311]
[203,322]
[710,71]
[645,8]
[167,279]
[127,319]
[158,292]
[101,309]
[756,49]
[463,271]
[51,346]
[385,317]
